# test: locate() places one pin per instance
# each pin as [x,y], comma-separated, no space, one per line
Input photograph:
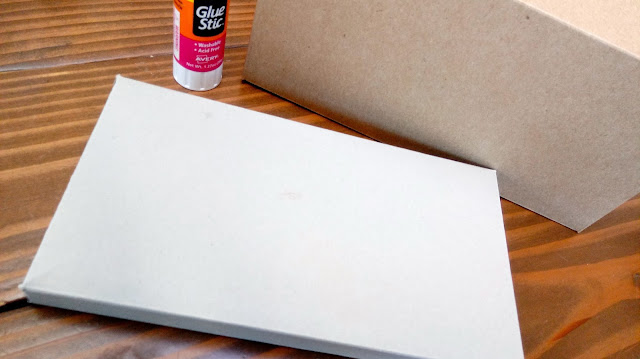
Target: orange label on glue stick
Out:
[199,31]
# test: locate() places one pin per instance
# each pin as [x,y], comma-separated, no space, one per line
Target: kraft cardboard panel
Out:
[616,22]
[501,84]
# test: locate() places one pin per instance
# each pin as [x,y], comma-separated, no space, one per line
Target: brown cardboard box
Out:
[547,92]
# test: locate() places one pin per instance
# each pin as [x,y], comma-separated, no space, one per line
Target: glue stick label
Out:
[199,31]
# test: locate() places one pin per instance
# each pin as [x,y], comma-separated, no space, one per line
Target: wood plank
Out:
[575,292]
[39,332]
[79,31]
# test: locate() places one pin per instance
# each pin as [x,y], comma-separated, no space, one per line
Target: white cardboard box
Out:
[195,214]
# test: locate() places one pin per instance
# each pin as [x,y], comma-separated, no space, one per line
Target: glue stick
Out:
[199,32]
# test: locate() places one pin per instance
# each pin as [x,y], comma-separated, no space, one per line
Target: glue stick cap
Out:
[196,81]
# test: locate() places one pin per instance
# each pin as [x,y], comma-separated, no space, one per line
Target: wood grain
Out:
[37,34]
[39,332]
[575,293]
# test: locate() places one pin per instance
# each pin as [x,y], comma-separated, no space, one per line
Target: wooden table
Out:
[578,295]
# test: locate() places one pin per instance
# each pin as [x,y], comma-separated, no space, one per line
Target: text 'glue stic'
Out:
[199,32]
